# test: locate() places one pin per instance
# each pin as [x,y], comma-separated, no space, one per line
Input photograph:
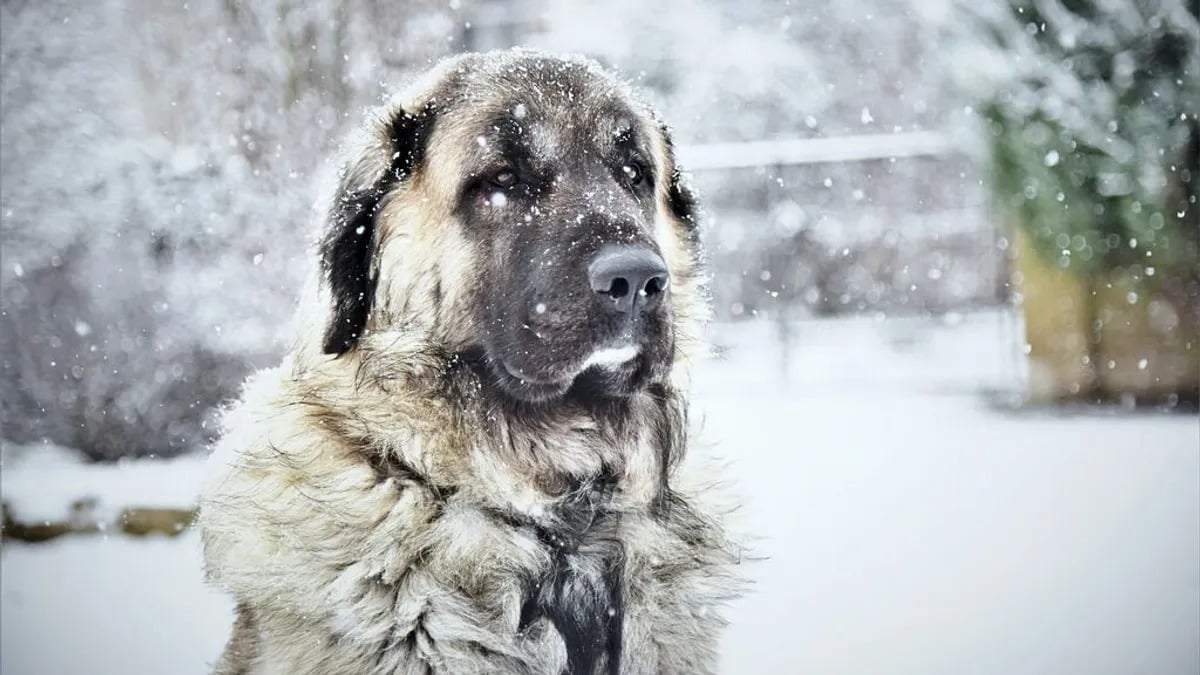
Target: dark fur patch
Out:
[242,649]
[387,466]
[682,200]
[670,425]
[680,197]
[581,593]
[586,609]
[347,246]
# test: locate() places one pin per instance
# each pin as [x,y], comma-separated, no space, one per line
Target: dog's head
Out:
[525,212]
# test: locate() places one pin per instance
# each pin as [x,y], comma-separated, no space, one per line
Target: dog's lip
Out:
[611,357]
[521,386]
[524,377]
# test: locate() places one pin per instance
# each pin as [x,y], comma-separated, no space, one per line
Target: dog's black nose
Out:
[629,277]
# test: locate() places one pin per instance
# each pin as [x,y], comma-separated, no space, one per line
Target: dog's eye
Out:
[633,173]
[504,178]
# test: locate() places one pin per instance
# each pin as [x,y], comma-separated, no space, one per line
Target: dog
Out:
[471,457]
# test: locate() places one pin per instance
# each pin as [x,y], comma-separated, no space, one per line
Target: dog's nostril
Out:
[619,288]
[655,285]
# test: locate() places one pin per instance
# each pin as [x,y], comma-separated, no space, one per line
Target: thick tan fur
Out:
[374,512]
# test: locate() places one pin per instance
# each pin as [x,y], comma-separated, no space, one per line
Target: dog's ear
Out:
[681,200]
[348,244]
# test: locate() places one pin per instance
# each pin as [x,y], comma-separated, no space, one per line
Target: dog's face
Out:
[532,212]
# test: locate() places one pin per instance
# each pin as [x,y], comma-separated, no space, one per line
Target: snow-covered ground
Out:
[908,525]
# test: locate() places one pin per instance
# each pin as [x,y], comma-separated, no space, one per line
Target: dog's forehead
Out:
[551,106]
[557,128]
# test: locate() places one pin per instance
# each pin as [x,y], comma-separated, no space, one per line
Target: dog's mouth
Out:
[609,371]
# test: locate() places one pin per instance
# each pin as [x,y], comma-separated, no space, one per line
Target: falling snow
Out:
[164,179]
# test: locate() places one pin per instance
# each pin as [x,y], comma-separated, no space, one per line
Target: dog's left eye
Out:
[504,178]
[633,173]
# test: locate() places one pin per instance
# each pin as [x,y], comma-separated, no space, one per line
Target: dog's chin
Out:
[606,382]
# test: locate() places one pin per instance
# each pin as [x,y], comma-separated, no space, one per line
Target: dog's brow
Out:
[508,128]
[505,135]
[628,140]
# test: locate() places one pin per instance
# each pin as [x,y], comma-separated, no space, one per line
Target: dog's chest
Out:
[552,586]
[581,592]
[544,575]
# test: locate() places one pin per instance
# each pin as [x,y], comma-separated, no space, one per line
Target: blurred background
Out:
[955,255]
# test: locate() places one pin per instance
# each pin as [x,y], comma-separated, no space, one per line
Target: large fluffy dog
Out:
[470,461]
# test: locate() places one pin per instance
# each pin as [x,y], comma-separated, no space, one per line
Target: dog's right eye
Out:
[633,173]
[504,178]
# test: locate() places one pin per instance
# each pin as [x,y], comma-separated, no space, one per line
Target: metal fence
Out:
[892,223]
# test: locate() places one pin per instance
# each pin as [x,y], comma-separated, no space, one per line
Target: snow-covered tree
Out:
[1095,134]
[156,197]
[1089,110]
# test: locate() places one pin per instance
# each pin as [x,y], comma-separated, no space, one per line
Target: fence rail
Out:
[790,151]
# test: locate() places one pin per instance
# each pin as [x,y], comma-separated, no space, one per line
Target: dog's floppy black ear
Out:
[680,197]
[348,243]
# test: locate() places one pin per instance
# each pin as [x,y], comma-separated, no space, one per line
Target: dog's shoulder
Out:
[283,507]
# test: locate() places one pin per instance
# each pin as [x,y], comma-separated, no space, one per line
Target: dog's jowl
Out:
[472,459]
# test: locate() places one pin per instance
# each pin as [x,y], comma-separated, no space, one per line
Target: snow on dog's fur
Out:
[443,476]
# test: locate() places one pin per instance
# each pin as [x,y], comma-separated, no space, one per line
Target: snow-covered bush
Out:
[1095,130]
[1089,110]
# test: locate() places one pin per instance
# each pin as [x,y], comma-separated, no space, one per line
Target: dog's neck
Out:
[535,457]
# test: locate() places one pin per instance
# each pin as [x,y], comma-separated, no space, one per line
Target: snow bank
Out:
[42,482]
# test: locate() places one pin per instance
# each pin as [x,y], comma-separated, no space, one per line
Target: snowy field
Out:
[908,524]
